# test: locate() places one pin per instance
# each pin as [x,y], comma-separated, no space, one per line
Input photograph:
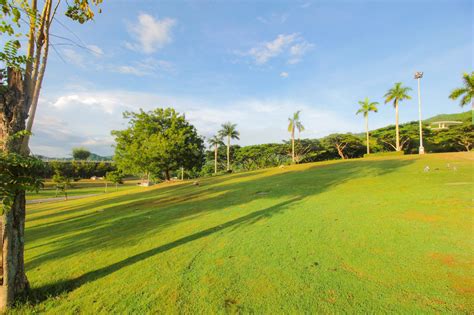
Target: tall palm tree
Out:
[467,92]
[397,94]
[294,123]
[215,141]
[365,107]
[229,130]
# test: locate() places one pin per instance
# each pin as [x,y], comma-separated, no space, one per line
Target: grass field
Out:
[374,235]
[81,187]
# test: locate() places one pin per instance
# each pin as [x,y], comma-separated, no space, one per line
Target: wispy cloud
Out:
[95,50]
[284,74]
[73,57]
[293,46]
[146,67]
[151,34]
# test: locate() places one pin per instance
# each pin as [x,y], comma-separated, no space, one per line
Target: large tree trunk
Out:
[367,132]
[13,113]
[397,132]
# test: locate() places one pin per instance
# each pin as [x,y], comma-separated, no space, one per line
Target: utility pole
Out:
[418,76]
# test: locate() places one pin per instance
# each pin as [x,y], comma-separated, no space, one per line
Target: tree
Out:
[215,141]
[397,94]
[365,107]
[80,153]
[347,145]
[294,123]
[116,177]
[467,91]
[20,85]
[229,130]
[62,183]
[157,142]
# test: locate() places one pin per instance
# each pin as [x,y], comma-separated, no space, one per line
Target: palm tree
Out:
[467,90]
[229,130]
[397,94]
[365,107]
[295,123]
[215,141]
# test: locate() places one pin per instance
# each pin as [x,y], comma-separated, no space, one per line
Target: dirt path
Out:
[56,199]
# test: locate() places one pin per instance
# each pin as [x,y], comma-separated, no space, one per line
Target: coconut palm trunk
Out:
[215,159]
[293,145]
[228,153]
[367,132]
[397,131]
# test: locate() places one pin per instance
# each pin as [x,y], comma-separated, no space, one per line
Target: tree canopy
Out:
[157,142]
[80,153]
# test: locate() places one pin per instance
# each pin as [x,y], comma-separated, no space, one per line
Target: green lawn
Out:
[375,235]
[82,187]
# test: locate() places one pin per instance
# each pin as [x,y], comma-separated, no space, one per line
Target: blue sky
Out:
[251,63]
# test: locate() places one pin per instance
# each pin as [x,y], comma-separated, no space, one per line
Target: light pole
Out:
[418,76]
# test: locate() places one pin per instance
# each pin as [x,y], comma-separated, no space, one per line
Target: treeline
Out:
[342,146]
[77,169]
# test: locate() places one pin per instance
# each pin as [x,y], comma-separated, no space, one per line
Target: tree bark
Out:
[293,144]
[215,159]
[167,174]
[367,132]
[228,153]
[397,132]
[13,113]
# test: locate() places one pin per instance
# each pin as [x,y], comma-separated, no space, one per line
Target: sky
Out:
[253,63]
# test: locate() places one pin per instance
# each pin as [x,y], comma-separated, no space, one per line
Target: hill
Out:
[464,116]
[357,236]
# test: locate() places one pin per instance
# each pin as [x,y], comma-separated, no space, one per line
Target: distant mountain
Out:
[465,116]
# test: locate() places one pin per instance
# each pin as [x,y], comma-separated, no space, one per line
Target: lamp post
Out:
[418,76]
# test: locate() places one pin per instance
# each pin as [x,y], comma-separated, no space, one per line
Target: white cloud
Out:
[73,57]
[91,115]
[95,50]
[284,74]
[267,50]
[146,67]
[298,50]
[106,104]
[290,45]
[151,34]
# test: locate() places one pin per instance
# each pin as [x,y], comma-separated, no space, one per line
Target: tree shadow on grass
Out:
[40,294]
[122,222]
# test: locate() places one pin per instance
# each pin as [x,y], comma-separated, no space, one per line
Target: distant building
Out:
[444,124]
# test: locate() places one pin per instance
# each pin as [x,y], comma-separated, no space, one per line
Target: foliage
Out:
[80,153]
[295,123]
[385,154]
[18,173]
[397,94]
[367,106]
[63,183]
[466,93]
[115,177]
[345,145]
[156,142]
[456,138]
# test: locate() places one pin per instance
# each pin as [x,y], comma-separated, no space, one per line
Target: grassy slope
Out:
[82,187]
[379,235]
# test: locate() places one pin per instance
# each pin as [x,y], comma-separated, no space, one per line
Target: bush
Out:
[389,153]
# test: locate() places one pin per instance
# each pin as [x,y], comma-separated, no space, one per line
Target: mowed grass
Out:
[376,235]
[79,188]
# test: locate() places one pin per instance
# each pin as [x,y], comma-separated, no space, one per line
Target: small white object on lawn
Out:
[426,169]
